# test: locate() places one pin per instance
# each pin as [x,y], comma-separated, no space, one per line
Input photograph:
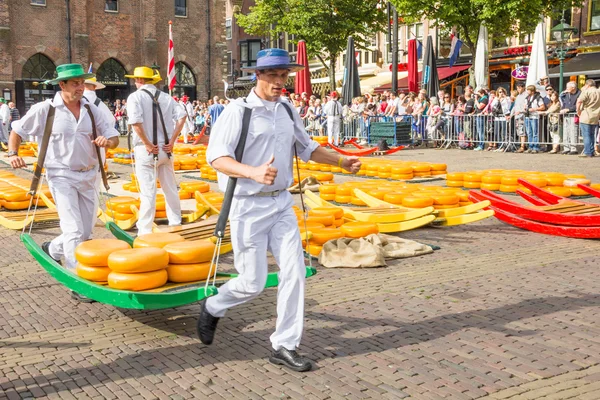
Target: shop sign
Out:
[520,73]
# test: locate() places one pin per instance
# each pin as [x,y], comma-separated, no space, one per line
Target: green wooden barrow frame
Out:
[178,296]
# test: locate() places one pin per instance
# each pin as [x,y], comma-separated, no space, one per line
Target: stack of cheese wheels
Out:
[571,183]
[208,172]
[215,199]
[16,198]
[119,208]
[335,212]
[327,191]
[191,187]
[138,268]
[358,229]
[161,206]
[156,239]
[189,260]
[92,258]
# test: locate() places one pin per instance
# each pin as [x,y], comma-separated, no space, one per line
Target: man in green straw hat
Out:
[71,162]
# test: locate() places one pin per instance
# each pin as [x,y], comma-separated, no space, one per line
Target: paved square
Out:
[496,312]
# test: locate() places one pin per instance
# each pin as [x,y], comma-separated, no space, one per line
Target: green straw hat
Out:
[69,71]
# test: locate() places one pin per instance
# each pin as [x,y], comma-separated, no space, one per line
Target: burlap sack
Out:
[369,252]
[309,183]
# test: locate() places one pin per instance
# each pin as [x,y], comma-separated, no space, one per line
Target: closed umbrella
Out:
[351,83]
[302,83]
[481,59]
[413,68]
[538,62]
[431,83]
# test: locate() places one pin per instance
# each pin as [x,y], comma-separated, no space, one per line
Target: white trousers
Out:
[76,198]
[334,125]
[570,134]
[259,224]
[188,128]
[4,132]
[146,177]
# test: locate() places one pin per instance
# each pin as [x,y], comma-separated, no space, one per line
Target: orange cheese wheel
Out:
[157,239]
[559,190]
[343,199]
[472,177]
[326,220]
[16,195]
[160,214]
[94,274]
[310,225]
[358,229]
[314,249]
[465,203]
[454,183]
[577,192]
[402,177]
[202,187]
[336,170]
[357,202]
[327,196]
[438,167]
[338,222]
[417,202]
[401,170]
[455,176]
[510,180]
[335,211]
[94,253]
[395,197]
[344,190]
[508,188]
[325,168]
[491,178]
[328,188]
[490,186]
[438,172]
[139,281]
[15,205]
[183,195]
[384,175]
[384,168]
[323,176]
[123,208]
[313,167]
[121,216]
[417,174]
[180,273]
[321,236]
[421,168]
[378,193]
[190,251]
[133,261]
[554,180]
[537,181]
[114,201]
[445,199]
[472,185]
[462,195]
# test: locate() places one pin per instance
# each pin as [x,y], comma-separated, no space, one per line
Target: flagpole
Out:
[171,61]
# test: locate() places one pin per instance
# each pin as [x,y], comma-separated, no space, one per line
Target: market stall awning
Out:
[581,64]
[443,73]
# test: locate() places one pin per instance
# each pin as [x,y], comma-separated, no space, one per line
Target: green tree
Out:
[503,18]
[325,25]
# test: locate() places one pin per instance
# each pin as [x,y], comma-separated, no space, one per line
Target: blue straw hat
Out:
[274,59]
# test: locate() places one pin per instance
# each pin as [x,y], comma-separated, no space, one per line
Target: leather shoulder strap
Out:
[97,102]
[288,109]
[35,181]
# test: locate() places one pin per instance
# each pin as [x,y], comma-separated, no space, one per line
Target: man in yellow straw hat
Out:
[71,160]
[152,114]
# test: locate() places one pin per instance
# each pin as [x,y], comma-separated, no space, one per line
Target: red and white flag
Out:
[171,68]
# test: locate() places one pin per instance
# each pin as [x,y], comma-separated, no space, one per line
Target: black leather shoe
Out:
[46,249]
[206,326]
[81,298]
[290,359]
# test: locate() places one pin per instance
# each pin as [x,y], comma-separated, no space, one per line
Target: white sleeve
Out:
[135,113]
[33,122]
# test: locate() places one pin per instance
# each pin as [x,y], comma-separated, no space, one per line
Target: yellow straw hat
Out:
[93,81]
[145,73]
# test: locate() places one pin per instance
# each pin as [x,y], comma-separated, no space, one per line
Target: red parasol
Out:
[302,83]
[413,69]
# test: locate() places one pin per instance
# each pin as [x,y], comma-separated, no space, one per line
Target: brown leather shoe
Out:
[521,150]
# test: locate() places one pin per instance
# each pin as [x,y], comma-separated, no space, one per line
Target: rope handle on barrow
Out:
[231,182]
[42,153]
[98,152]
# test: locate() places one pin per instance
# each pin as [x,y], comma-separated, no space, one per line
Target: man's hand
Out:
[17,162]
[101,141]
[351,164]
[265,174]
[151,148]
[168,148]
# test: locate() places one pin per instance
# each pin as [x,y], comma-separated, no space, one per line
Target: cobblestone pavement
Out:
[496,313]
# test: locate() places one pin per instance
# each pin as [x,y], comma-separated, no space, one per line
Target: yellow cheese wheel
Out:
[445,206]
[402,177]
[438,172]
[454,183]
[338,222]
[537,181]
[358,229]
[328,188]
[95,252]
[417,202]
[15,205]
[384,168]
[190,251]
[343,199]
[95,274]
[357,202]
[121,207]
[133,261]
[421,168]
[344,190]
[465,203]
[15,195]
[180,273]
[133,188]
[559,190]
[508,188]
[336,170]
[335,211]
[491,178]
[310,225]
[510,180]
[384,175]
[325,168]
[395,197]
[157,239]
[119,216]
[314,249]
[490,186]
[323,176]
[202,187]
[139,281]
[445,199]
[160,214]
[326,220]
[401,170]
[327,196]
[578,192]
[472,185]
[455,176]
[379,193]
[472,177]
[438,167]
[161,205]
[183,195]
[419,174]
[575,176]
[554,180]
[323,235]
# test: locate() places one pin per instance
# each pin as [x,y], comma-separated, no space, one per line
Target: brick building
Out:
[114,36]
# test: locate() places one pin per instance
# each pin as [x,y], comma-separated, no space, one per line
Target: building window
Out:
[594,15]
[292,46]
[416,32]
[112,72]
[111,6]
[366,57]
[373,41]
[39,68]
[229,64]
[248,53]
[228,29]
[184,75]
[181,8]
[38,2]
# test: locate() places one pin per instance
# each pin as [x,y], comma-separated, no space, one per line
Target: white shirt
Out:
[333,108]
[4,113]
[70,145]
[139,110]
[271,132]
[103,108]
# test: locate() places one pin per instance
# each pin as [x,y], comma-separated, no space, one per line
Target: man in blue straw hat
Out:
[71,160]
[261,215]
